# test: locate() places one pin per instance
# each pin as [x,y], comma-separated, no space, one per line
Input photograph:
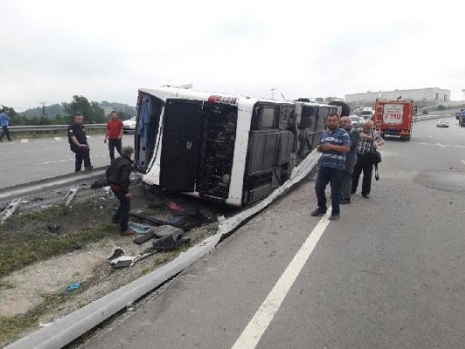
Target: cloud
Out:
[106,49]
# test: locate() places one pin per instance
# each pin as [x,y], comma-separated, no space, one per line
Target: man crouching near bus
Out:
[118,177]
[334,144]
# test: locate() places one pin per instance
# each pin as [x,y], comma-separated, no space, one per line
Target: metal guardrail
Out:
[45,128]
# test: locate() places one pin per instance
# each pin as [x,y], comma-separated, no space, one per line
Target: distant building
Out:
[420,94]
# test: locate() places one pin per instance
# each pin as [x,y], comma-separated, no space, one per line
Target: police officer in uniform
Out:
[78,143]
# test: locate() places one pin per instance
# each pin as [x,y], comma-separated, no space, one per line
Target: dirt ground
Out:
[41,288]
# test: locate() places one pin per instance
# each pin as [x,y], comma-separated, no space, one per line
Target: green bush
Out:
[440,107]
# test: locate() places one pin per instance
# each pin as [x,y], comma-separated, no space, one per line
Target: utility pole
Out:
[43,108]
[272,92]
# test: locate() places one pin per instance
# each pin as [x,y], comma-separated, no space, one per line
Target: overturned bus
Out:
[232,149]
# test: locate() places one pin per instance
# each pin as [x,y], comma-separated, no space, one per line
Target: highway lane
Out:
[389,274]
[35,159]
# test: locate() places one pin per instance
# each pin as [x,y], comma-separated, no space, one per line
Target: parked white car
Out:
[356,121]
[442,123]
[129,125]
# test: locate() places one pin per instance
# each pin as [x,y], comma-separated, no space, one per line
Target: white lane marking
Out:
[58,138]
[251,335]
[24,140]
[26,151]
[440,145]
[462,161]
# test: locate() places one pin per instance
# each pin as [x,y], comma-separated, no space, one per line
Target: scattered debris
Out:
[73,287]
[130,307]
[9,210]
[74,247]
[170,242]
[145,237]
[70,195]
[166,230]
[100,183]
[128,261]
[174,207]
[117,252]
[152,220]
[140,228]
[134,180]
[53,228]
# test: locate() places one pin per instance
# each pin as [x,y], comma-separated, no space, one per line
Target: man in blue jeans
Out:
[334,144]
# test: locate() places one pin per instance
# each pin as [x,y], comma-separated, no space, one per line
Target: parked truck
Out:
[394,118]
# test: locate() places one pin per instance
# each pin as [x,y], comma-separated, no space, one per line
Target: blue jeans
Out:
[112,144]
[334,177]
[123,210]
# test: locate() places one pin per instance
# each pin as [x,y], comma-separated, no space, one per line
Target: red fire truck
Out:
[394,118]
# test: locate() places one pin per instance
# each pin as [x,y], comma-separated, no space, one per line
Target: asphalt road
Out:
[25,161]
[389,274]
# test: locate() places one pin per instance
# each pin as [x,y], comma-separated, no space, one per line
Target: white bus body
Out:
[231,149]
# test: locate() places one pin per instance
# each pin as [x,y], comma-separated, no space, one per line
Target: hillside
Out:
[57,109]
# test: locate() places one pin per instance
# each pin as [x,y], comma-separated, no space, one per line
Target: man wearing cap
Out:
[118,176]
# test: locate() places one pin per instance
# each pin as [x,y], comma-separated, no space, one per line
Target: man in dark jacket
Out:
[77,139]
[351,159]
[118,177]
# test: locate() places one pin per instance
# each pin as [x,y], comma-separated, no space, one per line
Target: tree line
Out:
[92,111]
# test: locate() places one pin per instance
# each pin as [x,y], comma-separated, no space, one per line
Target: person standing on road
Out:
[351,159]
[4,122]
[370,141]
[114,135]
[78,143]
[118,176]
[334,144]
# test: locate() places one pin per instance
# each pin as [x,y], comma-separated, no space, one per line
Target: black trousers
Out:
[365,164]
[82,155]
[112,144]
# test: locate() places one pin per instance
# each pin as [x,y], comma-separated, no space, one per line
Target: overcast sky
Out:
[106,49]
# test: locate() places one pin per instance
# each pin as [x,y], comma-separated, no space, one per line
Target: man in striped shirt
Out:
[334,143]
[370,141]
